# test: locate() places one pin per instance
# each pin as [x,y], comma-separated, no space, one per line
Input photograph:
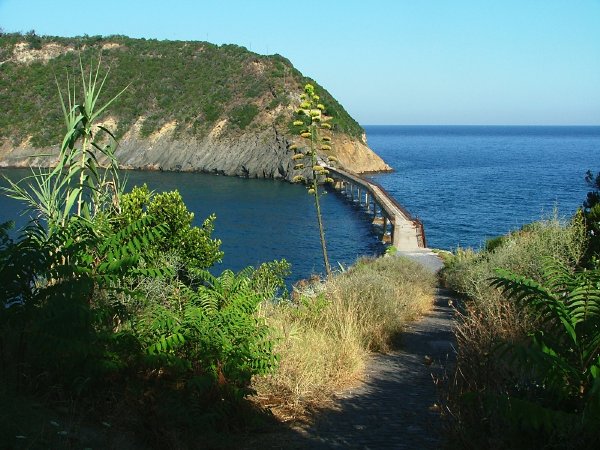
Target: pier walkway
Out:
[398,227]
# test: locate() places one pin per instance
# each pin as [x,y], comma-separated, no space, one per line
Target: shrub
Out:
[488,318]
[33,40]
[209,339]
[325,334]
[194,245]
[242,116]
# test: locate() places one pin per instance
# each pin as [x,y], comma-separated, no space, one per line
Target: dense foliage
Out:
[193,245]
[194,84]
[105,302]
[528,365]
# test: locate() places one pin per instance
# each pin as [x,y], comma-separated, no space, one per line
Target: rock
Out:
[258,154]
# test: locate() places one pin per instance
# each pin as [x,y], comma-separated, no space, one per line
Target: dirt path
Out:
[395,407]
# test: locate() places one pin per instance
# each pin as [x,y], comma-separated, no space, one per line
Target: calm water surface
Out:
[466,183]
[471,183]
[257,220]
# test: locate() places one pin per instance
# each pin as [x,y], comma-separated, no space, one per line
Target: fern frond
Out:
[549,308]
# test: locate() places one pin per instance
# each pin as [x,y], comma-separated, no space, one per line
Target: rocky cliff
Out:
[191,106]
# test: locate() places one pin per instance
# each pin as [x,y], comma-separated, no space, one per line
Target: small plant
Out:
[391,250]
[310,122]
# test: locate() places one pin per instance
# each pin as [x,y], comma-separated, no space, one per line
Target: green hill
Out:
[190,106]
[193,83]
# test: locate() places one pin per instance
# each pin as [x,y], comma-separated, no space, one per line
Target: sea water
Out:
[256,220]
[466,183]
[470,183]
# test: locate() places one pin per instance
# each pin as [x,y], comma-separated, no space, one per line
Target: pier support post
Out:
[385,224]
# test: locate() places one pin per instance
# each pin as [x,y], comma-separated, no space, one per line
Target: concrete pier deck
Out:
[399,228]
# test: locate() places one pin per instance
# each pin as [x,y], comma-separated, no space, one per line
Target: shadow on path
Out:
[395,407]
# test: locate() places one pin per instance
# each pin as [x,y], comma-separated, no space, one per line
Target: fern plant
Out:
[562,357]
[214,339]
[61,295]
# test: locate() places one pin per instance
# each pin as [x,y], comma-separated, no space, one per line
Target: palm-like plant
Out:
[77,184]
[311,121]
[563,356]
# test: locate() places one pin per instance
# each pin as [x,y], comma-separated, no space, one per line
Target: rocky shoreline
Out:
[260,154]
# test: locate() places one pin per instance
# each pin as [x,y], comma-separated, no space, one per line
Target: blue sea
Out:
[466,183]
[470,183]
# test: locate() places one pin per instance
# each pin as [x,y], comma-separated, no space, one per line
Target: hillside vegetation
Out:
[528,341]
[191,86]
[115,334]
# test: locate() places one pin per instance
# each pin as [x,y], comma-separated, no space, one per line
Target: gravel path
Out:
[396,405]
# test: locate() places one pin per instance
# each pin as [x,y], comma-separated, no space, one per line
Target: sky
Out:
[406,62]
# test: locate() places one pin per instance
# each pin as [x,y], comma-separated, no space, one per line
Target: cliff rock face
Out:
[262,154]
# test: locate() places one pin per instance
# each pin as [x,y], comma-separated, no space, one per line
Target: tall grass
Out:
[488,318]
[327,332]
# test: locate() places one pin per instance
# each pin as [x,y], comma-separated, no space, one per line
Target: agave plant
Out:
[563,355]
[77,184]
[310,120]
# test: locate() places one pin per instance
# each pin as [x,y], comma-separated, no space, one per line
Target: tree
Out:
[34,41]
[310,123]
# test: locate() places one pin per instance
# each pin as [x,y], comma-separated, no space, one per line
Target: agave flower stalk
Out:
[311,120]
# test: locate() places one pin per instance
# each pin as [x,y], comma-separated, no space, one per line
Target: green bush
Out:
[242,116]
[194,245]
[33,40]
[212,337]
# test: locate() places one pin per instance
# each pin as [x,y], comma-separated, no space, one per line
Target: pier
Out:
[398,227]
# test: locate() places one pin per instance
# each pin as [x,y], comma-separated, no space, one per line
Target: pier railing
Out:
[418,223]
[407,231]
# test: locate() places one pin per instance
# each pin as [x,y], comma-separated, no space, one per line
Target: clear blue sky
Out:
[387,62]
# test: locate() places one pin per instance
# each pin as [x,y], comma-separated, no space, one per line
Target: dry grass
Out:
[326,333]
[488,318]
